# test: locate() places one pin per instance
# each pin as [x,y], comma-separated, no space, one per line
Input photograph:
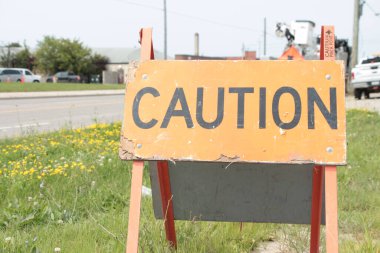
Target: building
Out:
[248,55]
[119,59]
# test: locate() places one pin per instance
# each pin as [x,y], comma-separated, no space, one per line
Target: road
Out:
[28,115]
[372,104]
[20,116]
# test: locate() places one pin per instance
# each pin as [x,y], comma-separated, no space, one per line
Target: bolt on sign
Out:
[236,111]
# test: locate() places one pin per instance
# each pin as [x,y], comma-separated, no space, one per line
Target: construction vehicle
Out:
[303,44]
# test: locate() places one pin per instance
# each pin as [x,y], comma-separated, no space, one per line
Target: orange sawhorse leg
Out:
[331,199]
[134,207]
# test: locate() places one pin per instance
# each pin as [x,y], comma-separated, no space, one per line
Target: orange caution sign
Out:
[236,111]
[291,54]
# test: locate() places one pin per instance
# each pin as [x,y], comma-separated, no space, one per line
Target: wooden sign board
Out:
[236,111]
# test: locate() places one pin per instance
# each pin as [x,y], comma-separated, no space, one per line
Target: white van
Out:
[28,75]
[10,76]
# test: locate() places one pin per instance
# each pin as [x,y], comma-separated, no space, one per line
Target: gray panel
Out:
[238,192]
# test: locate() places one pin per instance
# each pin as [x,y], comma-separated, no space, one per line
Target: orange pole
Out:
[138,166]
[327,52]
[331,198]
[134,207]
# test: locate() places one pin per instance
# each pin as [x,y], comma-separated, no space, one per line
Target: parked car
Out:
[29,77]
[64,77]
[10,75]
[18,75]
[365,77]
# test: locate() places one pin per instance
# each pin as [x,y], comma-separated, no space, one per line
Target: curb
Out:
[52,94]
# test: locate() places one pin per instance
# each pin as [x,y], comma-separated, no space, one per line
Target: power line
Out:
[377,14]
[189,16]
[141,5]
[213,21]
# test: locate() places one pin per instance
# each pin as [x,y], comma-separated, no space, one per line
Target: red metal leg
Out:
[331,197]
[134,207]
[316,208]
[167,202]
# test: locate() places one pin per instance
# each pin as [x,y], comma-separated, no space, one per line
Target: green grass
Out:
[359,185]
[358,192]
[30,87]
[70,190]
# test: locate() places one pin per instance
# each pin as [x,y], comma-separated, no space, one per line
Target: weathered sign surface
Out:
[236,111]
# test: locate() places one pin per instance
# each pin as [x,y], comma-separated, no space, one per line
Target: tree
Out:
[98,63]
[54,55]
[7,54]
[24,59]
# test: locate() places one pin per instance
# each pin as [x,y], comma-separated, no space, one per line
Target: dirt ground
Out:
[372,104]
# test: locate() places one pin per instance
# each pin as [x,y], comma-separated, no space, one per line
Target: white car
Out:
[365,77]
[10,76]
[28,75]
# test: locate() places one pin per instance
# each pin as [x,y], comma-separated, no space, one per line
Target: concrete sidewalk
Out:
[43,94]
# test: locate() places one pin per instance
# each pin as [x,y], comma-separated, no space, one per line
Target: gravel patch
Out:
[269,247]
[371,104]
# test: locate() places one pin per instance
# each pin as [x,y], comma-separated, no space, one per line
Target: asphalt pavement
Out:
[47,94]
[32,112]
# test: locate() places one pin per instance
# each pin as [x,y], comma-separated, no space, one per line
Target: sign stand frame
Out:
[327,53]
[320,172]
[147,53]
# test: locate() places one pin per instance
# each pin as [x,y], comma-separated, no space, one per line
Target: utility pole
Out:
[265,36]
[358,7]
[165,33]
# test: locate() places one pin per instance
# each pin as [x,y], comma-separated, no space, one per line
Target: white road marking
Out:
[25,125]
[64,107]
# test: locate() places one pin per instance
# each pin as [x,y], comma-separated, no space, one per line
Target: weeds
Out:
[68,190]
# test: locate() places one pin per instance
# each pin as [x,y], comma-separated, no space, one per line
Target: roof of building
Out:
[124,55]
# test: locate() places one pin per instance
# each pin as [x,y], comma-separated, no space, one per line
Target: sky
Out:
[225,27]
